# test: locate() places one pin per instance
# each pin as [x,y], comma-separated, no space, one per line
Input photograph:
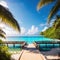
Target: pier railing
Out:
[22,43]
[38,43]
[47,42]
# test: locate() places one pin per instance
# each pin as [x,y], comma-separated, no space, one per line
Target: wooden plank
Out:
[13,42]
[22,43]
[47,42]
[37,43]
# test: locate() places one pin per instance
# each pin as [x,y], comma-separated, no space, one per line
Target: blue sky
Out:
[30,20]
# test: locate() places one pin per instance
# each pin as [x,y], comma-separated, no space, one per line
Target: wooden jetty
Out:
[22,43]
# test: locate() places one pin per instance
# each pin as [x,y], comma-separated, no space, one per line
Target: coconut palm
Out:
[7,18]
[54,9]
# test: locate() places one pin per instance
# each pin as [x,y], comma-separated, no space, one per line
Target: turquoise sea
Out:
[28,39]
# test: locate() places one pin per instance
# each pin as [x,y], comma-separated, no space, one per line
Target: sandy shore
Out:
[15,55]
[53,54]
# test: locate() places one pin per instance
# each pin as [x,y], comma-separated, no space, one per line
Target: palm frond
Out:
[57,22]
[2,35]
[8,18]
[53,11]
[1,31]
[43,3]
[57,25]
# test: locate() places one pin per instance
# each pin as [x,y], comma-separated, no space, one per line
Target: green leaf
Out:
[43,3]
[8,18]
[54,10]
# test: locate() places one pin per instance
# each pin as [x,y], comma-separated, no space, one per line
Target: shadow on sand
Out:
[32,50]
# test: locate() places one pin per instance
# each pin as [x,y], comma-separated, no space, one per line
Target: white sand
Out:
[53,57]
[15,55]
[53,54]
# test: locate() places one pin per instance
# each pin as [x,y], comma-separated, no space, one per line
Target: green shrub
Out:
[4,54]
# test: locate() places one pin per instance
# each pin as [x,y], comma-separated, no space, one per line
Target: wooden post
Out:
[53,45]
[59,45]
[7,44]
[46,45]
[37,46]
[14,45]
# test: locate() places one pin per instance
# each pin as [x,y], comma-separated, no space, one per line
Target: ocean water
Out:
[28,39]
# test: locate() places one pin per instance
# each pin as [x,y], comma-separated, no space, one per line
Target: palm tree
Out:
[7,18]
[54,9]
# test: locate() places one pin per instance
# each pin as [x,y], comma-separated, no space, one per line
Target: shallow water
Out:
[29,40]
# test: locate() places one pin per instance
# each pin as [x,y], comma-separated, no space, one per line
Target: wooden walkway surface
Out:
[31,53]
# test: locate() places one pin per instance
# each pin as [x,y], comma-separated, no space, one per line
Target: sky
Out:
[31,21]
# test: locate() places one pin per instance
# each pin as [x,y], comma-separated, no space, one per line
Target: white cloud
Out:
[33,30]
[42,24]
[10,32]
[52,21]
[23,30]
[3,3]
[44,29]
[2,25]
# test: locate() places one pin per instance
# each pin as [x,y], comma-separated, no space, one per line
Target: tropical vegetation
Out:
[54,30]
[54,9]
[4,54]
[7,18]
